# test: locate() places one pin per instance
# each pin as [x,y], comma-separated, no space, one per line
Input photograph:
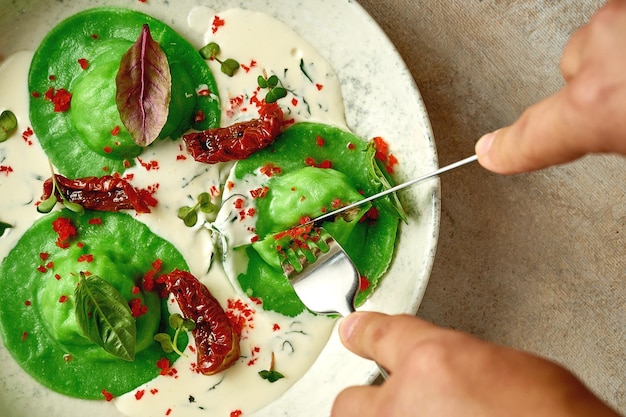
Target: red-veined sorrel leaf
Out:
[144,86]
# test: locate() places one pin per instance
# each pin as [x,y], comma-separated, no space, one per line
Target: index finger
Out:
[383,338]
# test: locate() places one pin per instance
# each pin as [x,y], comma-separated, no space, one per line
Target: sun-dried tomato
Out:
[237,141]
[106,193]
[217,344]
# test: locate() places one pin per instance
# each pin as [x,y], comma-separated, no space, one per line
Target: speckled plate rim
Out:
[381,100]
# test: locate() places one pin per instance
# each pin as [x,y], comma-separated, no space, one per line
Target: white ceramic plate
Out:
[381,99]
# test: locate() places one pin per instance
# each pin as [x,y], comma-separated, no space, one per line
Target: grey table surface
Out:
[534,261]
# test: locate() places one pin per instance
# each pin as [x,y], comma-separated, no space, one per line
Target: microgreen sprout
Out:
[228,66]
[46,206]
[189,215]
[271,374]
[179,323]
[275,89]
[8,124]
[3,227]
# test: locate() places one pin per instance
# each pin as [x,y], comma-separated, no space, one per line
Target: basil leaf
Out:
[144,87]
[8,124]
[103,315]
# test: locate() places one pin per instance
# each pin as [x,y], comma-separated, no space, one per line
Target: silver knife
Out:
[398,187]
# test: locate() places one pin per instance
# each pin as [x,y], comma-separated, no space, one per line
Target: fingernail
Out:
[484,143]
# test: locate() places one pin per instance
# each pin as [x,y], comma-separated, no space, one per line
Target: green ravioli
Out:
[37,320]
[81,55]
[320,167]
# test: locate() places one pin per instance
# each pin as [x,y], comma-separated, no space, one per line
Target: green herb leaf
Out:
[261,81]
[188,215]
[272,81]
[165,341]
[104,316]
[144,86]
[229,67]
[3,227]
[74,207]
[210,50]
[8,124]
[47,205]
[275,94]
[271,376]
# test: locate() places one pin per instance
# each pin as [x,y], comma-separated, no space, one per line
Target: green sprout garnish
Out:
[48,204]
[228,66]
[3,227]
[189,215]
[275,89]
[8,125]
[179,323]
[271,374]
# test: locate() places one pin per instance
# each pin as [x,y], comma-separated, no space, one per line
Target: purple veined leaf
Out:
[144,85]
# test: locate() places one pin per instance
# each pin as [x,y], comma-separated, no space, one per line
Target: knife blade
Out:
[388,191]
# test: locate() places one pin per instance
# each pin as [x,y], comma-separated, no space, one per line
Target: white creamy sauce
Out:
[265,46]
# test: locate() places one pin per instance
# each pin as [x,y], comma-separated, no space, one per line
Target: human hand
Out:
[442,373]
[587,115]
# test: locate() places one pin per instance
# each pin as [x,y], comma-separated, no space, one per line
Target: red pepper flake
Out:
[259,192]
[351,146]
[336,203]
[254,238]
[126,163]
[148,280]
[44,256]
[139,394]
[270,170]
[236,413]
[169,410]
[239,203]
[203,92]
[310,161]
[392,161]
[107,149]
[84,64]
[27,303]
[24,336]
[136,308]
[52,77]
[276,327]
[248,67]
[62,298]
[94,36]
[217,23]
[35,94]
[325,164]
[200,116]
[115,131]
[80,245]
[240,315]
[41,269]
[135,290]
[65,231]
[230,185]
[95,221]
[149,165]
[58,277]
[294,102]
[154,391]
[164,365]
[61,99]
[6,169]
[50,265]
[319,87]
[87,257]
[363,283]
[181,157]
[26,135]
[251,212]
[107,395]
[320,141]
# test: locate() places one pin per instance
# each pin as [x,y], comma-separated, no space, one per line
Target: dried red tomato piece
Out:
[217,344]
[237,141]
[107,193]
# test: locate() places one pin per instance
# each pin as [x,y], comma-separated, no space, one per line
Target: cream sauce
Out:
[314,94]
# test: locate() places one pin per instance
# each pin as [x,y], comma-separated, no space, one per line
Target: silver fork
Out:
[323,275]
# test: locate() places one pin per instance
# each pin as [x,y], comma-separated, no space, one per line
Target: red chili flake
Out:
[363,283]
[94,36]
[391,162]
[44,256]
[126,163]
[87,257]
[251,212]
[58,277]
[259,192]
[200,116]
[27,303]
[80,245]
[217,23]
[107,149]
[154,391]
[62,298]
[230,185]
[84,64]
[65,231]
[24,336]
[325,164]
[169,410]
[248,67]
[270,170]
[95,221]
[115,131]
[35,94]
[52,77]
[41,269]
[294,102]
[61,99]
[6,169]
[319,87]
[181,157]
[203,92]
[107,395]
[27,134]
[148,280]
[239,203]
[320,141]
[310,161]
[240,315]
[164,365]
[256,300]
[139,394]
[336,203]
[149,165]
[351,146]
[254,238]
[276,327]
[236,413]
[136,308]
[50,265]
[135,290]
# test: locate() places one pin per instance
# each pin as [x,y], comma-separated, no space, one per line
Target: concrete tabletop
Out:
[533,261]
